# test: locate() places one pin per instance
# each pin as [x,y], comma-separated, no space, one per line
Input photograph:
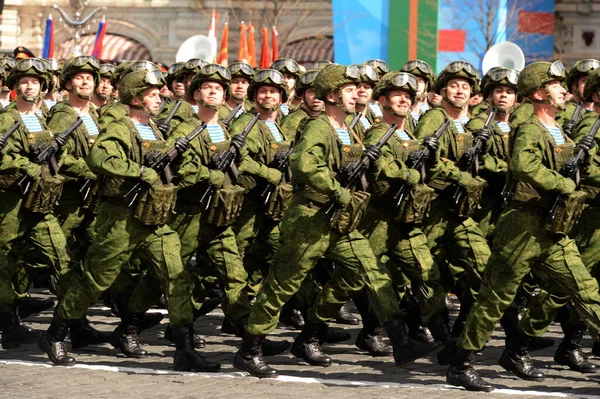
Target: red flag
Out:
[243,47]
[98,46]
[251,46]
[275,43]
[224,45]
[265,56]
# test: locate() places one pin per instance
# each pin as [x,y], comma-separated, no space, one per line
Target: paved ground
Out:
[102,372]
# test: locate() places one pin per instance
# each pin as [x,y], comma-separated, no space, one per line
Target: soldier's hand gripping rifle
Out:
[469,162]
[568,126]
[231,115]
[160,165]
[417,160]
[572,167]
[225,162]
[47,155]
[354,173]
[165,124]
[9,132]
[282,163]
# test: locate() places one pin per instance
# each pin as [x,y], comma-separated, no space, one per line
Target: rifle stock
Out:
[232,114]
[9,133]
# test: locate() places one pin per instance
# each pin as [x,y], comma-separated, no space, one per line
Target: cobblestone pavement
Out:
[102,372]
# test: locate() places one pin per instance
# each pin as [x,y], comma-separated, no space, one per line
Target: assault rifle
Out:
[417,160]
[572,170]
[568,126]
[354,173]
[163,104]
[282,163]
[46,156]
[167,120]
[9,132]
[469,162]
[160,165]
[231,115]
[225,162]
[355,120]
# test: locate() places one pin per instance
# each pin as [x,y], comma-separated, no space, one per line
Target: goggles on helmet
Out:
[286,64]
[175,67]
[368,71]
[268,74]
[499,74]
[557,69]
[381,64]
[418,64]
[352,72]
[107,68]
[51,64]
[144,66]
[308,78]
[586,66]
[457,66]
[241,66]
[8,61]
[321,63]
[216,68]
[28,63]
[195,62]
[85,59]
[154,78]
[402,79]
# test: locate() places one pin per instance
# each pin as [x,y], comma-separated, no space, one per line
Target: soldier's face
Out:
[580,85]
[290,81]
[457,92]
[165,92]
[29,88]
[311,102]
[555,92]
[364,91]
[349,97]
[104,89]
[211,93]
[151,99]
[239,88]
[268,97]
[422,86]
[433,98]
[504,97]
[399,101]
[178,89]
[476,99]
[83,84]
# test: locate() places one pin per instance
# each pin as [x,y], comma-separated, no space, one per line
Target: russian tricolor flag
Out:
[48,51]
[99,39]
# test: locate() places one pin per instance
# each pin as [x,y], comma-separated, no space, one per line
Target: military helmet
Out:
[538,74]
[107,71]
[581,68]
[367,74]
[8,63]
[420,69]
[53,69]
[134,83]
[379,65]
[396,81]
[287,65]
[499,76]
[29,67]
[455,70]
[172,73]
[2,74]
[320,64]
[241,69]
[592,85]
[84,63]
[190,67]
[122,69]
[268,77]
[211,73]
[306,81]
[334,76]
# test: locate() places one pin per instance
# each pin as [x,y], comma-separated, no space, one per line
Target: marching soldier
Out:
[103,91]
[291,72]
[241,77]
[425,76]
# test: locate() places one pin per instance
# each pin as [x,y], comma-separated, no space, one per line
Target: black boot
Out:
[306,345]
[344,316]
[268,347]
[291,317]
[407,349]
[186,357]
[199,342]
[52,342]
[249,358]
[373,343]
[14,332]
[231,327]
[412,318]
[441,332]
[148,320]
[569,352]
[28,306]
[125,337]
[462,374]
[82,334]
[596,349]
[516,359]
[332,335]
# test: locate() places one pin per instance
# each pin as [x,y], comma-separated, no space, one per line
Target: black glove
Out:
[483,134]
[569,168]
[163,127]
[151,157]
[372,152]
[182,145]
[431,143]
[586,143]
[238,141]
[568,127]
[60,139]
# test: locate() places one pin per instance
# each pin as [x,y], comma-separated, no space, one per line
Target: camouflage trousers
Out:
[521,245]
[305,238]
[120,239]
[29,243]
